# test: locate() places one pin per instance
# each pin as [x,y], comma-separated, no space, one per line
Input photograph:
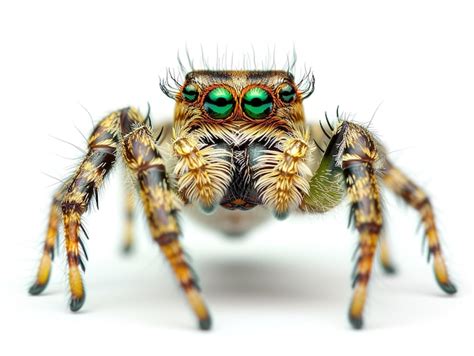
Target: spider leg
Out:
[357,157]
[128,238]
[414,196]
[84,184]
[142,157]
[44,269]
[71,201]
[129,215]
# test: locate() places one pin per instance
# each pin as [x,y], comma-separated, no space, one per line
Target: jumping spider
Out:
[238,140]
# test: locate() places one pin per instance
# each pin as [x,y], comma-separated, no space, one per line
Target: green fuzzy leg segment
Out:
[327,187]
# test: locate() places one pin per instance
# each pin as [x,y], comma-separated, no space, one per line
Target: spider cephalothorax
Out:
[238,140]
[239,120]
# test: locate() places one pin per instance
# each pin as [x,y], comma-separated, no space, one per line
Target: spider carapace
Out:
[238,140]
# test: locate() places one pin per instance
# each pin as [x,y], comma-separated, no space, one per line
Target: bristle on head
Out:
[173,81]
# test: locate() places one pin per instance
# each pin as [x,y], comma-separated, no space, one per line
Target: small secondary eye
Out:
[219,103]
[287,93]
[190,93]
[257,103]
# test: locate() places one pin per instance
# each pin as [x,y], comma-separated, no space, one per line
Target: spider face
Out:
[241,113]
[235,100]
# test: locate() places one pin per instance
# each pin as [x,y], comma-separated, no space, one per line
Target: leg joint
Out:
[71,207]
[166,238]
[370,227]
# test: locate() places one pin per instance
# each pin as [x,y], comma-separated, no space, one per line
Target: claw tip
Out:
[389,269]
[127,249]
[77,303]
[448,287]
[205,324]
[281,215]
[208,209]
[356,322]
[36,288]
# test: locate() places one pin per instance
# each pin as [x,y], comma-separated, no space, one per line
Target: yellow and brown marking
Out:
[358,156]
[417,198]
[44,269]
[204,170]
[145,162]
[88,178]
[283,176]
[203,174]
[256,153]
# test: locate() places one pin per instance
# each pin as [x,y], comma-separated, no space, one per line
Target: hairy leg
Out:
[144,160]
[327,186]
[358,158]
[84,184]
[44,269]
[414,196]
[71,201]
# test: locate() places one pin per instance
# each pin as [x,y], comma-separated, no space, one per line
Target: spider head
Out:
[230,119]
[236,106]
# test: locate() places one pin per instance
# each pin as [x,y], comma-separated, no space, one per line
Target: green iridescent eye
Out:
[219,103]
[190,92]
[287,93]
[257,103]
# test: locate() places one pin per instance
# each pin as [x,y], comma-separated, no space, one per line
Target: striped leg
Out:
[415,197]
[357,158]
[144,160]
[128,229]
[84,184]
[44,269]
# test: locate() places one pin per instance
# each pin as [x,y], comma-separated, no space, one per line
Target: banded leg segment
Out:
[358,157]
[414,196]
[144,160]
[98,161]
[44,269]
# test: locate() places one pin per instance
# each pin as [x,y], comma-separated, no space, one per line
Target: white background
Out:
[286,287]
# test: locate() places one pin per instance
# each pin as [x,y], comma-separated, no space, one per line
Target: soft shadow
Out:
[276,279]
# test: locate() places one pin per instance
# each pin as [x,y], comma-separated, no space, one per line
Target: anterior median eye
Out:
[287,93]
[257,103]
[219,103]
[190,92]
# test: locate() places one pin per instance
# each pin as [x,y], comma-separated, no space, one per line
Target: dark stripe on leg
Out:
[44,268]
[358,157]
[417,198]
[142,157]
[83,186]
